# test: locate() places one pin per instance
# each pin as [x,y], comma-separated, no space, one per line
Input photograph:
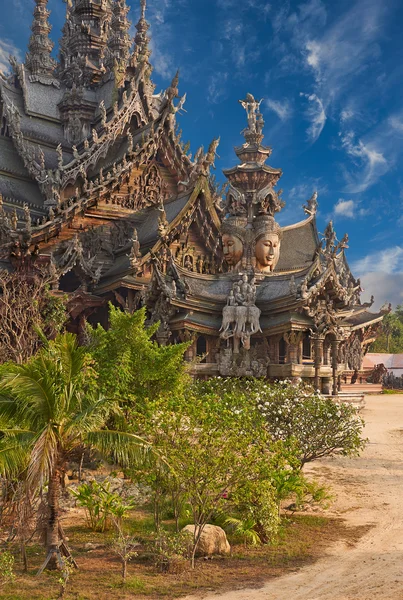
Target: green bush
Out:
[101,505]
[6,568]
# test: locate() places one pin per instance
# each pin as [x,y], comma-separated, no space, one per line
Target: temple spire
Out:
[83,48]
[142,50]
[38,59]
[119,41]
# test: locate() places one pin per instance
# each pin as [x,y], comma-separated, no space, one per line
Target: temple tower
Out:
[119,41]
[84,42]
[251,236]
[38,60]
[142,52]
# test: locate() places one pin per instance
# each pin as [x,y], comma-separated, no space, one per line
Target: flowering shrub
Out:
[319,426]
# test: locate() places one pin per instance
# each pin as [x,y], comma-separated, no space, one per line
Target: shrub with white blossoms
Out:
[318,425]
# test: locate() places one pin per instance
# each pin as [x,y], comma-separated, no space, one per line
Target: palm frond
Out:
[244,528]
[125,448]
[13,457]
[95,411]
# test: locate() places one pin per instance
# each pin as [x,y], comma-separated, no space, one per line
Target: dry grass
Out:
[303,539]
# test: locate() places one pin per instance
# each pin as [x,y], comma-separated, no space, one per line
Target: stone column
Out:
[293,340]
[318,347]
[335,353]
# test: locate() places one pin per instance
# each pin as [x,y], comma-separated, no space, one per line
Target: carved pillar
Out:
[293,340]
[318,346]
[335,353]
[274,353]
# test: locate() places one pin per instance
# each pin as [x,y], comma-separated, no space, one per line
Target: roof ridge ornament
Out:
[254,132]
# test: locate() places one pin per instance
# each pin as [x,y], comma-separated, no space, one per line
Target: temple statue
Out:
[267,246]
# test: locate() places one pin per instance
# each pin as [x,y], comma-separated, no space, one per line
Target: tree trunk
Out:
[124,570]
[52,528]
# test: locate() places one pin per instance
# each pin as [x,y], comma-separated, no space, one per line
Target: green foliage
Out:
[132,368]
[101,505]
[50,408]
[167,548]
[245,529]
[53,313]
[64,578]
[391,338]
[6,568]
[213,445]
[318,426]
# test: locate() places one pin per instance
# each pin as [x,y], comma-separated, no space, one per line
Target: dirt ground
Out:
[368,491]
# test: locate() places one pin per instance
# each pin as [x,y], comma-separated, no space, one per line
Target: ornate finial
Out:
[311,206]
[212,152]
[141,52]
[38,59]
[253,133]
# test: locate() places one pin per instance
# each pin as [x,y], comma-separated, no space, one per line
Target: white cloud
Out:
[316,114]
[389,260]
[345,208]
[367,156]
[381,275]
[282,109]
[384,287]
[6,48]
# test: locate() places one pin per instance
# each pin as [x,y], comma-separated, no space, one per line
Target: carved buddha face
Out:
[232,249]
[267,252]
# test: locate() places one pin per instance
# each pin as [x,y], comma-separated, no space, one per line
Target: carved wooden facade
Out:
[96,183]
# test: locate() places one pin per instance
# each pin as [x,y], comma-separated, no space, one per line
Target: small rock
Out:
[213,540]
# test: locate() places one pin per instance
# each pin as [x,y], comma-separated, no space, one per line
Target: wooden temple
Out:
[97,187]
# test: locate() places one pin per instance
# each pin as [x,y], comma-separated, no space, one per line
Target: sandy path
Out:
[369,490]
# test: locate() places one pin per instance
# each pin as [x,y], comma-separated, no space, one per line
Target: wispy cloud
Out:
[346,115]
[389,260]
[282,109]
[316,114]
[368,157]
[6,48]
[216,88]
[161,15]
[346,49]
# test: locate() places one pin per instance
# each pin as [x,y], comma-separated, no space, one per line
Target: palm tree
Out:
[50,407]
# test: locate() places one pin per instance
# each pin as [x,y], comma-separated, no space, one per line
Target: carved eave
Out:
[189,215]
[80,301]
[257,175]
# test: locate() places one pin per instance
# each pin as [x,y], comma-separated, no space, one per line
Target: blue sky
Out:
[331,77]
